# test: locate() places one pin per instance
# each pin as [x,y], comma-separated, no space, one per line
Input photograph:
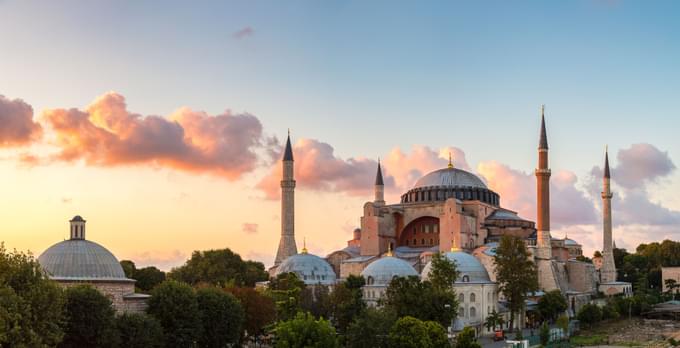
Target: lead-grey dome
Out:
[383,270]
[311,269]
[79,259]
[471,270]
[450,177]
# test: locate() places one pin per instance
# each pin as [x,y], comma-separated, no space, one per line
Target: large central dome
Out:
[450,177]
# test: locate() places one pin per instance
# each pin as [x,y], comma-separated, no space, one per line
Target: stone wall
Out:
[115,291]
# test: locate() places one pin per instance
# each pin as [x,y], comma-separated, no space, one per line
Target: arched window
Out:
[431,241]
[369,281]
[488,297]
[488,310]
[473,312]
[461,312]
[422,241]
[415,242]
[466,279]
[461,297]
[473,297]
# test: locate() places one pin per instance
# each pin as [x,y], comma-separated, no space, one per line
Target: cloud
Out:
[17,126]
[250,228]
[641,164]
[244,32]
[163,260]
[107,134]
[569,205]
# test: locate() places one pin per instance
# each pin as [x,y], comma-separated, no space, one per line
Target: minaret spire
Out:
[379,189]
[287,245]
[608,269]
[543,244]
[450,161]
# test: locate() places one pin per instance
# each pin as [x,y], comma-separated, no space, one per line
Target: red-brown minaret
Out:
[543,247]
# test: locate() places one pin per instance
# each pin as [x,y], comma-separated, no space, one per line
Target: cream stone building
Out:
[78,261]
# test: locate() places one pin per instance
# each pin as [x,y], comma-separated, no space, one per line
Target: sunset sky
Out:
[161,123]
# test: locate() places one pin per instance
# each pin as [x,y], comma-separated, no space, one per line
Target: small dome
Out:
[311,269]
[568,241]
[79,259]
[383,270]
[471,270]
[450,177]
[77,218]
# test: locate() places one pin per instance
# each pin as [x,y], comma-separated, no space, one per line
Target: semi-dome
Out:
[450,177]
[383,270]
[81,260]
[311,269]
[470,269]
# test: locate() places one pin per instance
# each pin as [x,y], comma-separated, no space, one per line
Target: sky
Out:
[162,123]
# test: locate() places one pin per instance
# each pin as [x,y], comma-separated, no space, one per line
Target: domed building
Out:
[311,269]
[79,261]
[379,273]
[477,294]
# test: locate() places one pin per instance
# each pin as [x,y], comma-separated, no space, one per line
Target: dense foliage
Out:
[147,278]
[515,273]
[346,302]
[259,310]
[370,329]
[175,306]
[91,319]
[139,331]
[304,331]
[221,317]
[409,332]
[467,339]
[589,314]
[31,306]
[219,267]
[552,304]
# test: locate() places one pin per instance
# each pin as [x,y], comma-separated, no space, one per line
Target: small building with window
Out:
[379,273]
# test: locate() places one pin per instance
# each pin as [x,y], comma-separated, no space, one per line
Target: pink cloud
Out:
[163,260]
[107,134]
[250,228]
[18,128]
[244,32]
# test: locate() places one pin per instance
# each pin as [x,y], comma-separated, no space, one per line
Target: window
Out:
[466,279]
[415,241]
[407,242]
[473,312]
[422,241]
[431,241]
[369,281]
[461,312]
[488,297]
[461,297]
[488,310]
[435,228]
[473,297]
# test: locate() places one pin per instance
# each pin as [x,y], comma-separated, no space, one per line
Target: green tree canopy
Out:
[443,272]
[408,296]
[515,273]
[222,317]
[304,331]
[467,339]
[147,278]
[552,304]
[286,290]
[370,329]
[175,306]
[259,310]
[139,331]
[410,332]
[346,302]
[589,314]
[219,267]
[91,319]
[31,306]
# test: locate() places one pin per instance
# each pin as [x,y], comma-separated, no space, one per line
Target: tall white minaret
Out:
[379,187]
[77,227]
[543,246]
[287,245]
[608,269]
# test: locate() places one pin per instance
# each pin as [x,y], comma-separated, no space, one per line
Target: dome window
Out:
[466,279]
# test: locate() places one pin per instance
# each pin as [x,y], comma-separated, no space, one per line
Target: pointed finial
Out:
[607,174]
[378,175]
[543,141]
[288,151]
[450,161]
[289,132]
[304,245]
[389,249]
[542,110]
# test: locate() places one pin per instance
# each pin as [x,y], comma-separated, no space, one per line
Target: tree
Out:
[467,339]
[552,304]
[409,332]
[304,331]
[544,334]
[494,319]
[346,302]
[437,334]
[286,290]
[589,314]
[175,306]
[219,267]
[443,272]
[259,310]
[31,305]
[316,300]
[129,268]
[408,296]
[370,328]
[148,277]
[139,331]
[91,319]
[222,317]
[610,312]
[597,254]
[563,323]
[515,273]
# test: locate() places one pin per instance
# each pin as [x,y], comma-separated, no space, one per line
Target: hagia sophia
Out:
[452,211]
[449,211]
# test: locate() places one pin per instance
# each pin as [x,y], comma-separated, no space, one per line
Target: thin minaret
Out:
[543,247]
[287,245]
[608,270]
[379,187]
